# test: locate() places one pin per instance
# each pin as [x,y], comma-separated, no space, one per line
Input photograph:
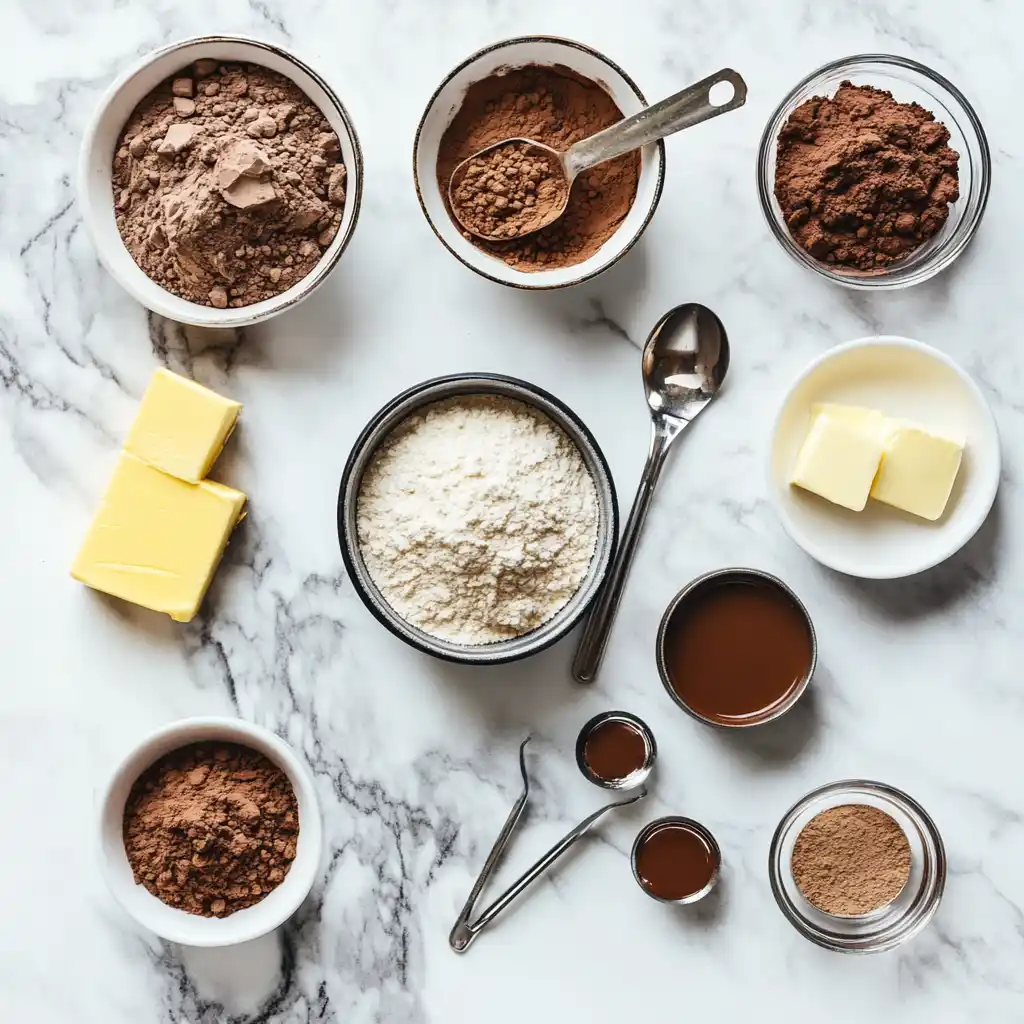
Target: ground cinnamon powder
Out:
[211,828]
[555,106]
[851,859]
[863,180]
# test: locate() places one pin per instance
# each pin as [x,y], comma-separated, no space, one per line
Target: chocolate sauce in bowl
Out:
[614,750]
[675,859]
[736,648]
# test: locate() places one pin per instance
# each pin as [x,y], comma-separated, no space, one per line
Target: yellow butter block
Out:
[838,461]
[181,427]
[861,419]
[156,540]
[918,471]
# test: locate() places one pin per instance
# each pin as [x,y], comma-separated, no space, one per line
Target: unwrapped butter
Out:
[918,471]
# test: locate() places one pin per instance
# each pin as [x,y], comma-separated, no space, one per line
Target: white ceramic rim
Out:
[540,280]
[96,200]
[966,532]
[178,925]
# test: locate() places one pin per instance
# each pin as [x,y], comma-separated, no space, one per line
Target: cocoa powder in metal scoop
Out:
[862,179]
[211,828]
[228,184]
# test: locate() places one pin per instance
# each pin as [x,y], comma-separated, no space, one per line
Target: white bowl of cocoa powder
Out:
[210,832]
[220,180]
[556,91]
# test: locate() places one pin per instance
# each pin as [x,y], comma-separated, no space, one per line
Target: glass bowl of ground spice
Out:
[874,172]
[210,832]
[220,181]
[477,518]
[857,866]
[556,91]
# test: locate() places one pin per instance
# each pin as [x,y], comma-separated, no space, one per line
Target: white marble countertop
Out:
[919,682]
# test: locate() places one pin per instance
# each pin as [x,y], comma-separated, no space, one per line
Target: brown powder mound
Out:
[211,828]
[228,184]
[557,107]
[851,860]
[863,180]
[510,191]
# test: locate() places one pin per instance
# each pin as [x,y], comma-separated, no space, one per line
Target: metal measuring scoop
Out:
[465,931]
[681,110]
[684,363]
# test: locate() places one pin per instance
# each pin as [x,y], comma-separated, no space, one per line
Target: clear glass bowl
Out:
[908,81]
[889,926]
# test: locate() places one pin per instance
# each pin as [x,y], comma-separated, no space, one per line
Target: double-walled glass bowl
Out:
[889,926]
[909,82]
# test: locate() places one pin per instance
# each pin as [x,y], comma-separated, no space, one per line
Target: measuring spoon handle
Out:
[599,624]
[671,115]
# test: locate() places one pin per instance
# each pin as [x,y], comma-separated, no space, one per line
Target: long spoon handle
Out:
[599,624]
[670,115]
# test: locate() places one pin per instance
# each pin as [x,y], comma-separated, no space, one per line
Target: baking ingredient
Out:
[674,860]
[510,191]
[863,180]
[851,860]
[851,453]
[918,471]
[211,828]
[614,749]
[477,519]
[838,461]
[228,184]
[736,647]
[157,540]
[557,107]
[181,427]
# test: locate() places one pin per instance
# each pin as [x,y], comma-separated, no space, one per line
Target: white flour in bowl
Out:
[477,519]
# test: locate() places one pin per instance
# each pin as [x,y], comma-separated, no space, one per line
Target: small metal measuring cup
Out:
[465,931]
[633,779]
[692,826]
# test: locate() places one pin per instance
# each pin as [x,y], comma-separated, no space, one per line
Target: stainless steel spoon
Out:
[684,363]
[681,110]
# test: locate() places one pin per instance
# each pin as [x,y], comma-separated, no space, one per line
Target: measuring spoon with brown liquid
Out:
[681,110]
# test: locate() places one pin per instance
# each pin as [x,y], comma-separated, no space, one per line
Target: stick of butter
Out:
[181,427]
[918,471]
[156,540]
[839,459]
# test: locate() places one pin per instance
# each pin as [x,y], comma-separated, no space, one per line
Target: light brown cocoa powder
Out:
[228,184]
[851,859]
[557,107]
[211,828]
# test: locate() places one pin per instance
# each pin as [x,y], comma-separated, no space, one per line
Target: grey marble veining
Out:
[919,683]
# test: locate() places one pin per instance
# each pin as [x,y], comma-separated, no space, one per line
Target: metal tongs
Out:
[466,931]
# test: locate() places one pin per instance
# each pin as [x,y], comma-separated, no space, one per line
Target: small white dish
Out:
[902,378]
[178,925]
[445,104]
[96,199]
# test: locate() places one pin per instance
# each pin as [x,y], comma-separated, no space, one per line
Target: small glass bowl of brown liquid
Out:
[857,866]
[676,860]
[736,648]
[616,750]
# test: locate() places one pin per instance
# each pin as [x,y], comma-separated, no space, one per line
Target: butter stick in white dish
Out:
[839,459]
[918,471]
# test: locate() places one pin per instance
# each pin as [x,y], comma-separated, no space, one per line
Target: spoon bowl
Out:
[684,109]
[684,364]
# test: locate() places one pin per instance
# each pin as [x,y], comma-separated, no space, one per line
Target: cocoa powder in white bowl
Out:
[96,193]
[546,52]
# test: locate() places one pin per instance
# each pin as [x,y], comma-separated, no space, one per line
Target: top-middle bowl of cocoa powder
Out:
[556,91]
[220,180]
[874,172]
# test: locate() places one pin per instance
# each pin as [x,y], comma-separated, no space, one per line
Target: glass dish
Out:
[908,81]
[889,926]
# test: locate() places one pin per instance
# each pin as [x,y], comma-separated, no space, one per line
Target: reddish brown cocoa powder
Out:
[863,180]
[555,106]
[211,828]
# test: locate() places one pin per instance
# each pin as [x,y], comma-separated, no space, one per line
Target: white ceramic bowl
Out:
[96,198]
[191,929]
[902,378]
[444,105]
